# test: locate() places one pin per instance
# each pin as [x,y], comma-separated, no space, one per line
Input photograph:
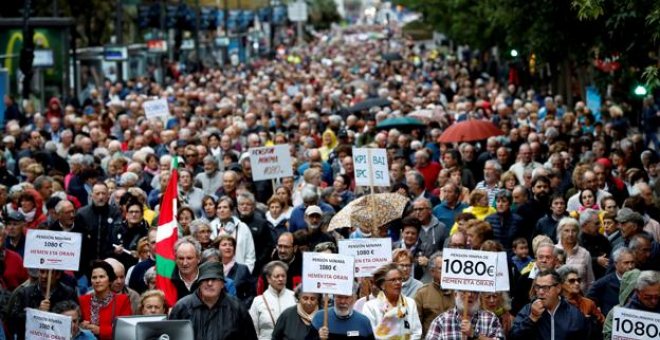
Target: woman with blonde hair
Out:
[152,302]
[479,205]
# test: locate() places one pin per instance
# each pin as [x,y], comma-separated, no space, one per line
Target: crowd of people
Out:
[569,194]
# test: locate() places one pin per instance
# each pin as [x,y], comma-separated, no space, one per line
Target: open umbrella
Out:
[469,131]
[400,123]
[369,103]
[370,211]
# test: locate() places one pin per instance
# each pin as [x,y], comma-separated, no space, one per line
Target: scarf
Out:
[275,221]
[394,324]
[227,267]
[499,311]
[29,216]
[583,208]
[96,305]
[306,318]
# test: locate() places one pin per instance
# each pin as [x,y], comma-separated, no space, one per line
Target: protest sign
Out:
[46,326]
[270,162]
[368,253]
[470,270]
[502,278]
[370,167]
[327,273]
[630,324]
[59,250]
[157,108]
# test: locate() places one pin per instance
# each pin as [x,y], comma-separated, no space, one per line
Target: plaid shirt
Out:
[447,326]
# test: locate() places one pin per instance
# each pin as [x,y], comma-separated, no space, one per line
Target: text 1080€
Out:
[468,267]
[639,328]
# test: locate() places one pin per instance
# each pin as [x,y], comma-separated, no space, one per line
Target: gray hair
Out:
[191,241]
[647,278]
[41,180]
[127,177]
[149,275]
[210,253]
[424,200]
[566,270]
[434,256]
[567,221]
[495,165]
[588,215]
[196,225]
[76,159]
[636,240]
[210,159]
[309,194]
[245,196]
[616,255]
[60,205]
[270,267]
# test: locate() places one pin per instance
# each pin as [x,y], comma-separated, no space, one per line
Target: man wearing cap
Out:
[213,313]
[313,216]
[15,237]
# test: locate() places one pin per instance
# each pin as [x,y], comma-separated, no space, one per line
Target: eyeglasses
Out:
[543,288]
[395,279]
[573,281]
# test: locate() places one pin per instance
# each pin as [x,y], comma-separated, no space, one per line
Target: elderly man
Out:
[263,239]
[598,246]
[546,259]
[211,178]
[188,254]
[491,182]
[310,197]
[313,216]
[588,182]
[480,324]
[343,322]
[525,162]
[431,299]
[646,252]
[450,206]
[605,291]
[639,291]
[15,237]
[119,284]
[213,313]
[33,295]
[432,235]
[549,316]
[428,168]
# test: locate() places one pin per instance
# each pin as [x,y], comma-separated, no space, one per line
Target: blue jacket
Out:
[446,215]
[505,227]
[605,292]
[569,324]
[297,220]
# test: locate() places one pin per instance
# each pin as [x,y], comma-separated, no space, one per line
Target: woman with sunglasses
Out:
[570,290]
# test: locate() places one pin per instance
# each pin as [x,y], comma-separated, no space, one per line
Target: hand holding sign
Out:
[472,270]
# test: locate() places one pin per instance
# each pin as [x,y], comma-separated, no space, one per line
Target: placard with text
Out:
[327,273]
[46,249]
[270,162]
[369,253]
[370,167]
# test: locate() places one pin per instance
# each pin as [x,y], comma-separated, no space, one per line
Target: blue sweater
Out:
[354,327]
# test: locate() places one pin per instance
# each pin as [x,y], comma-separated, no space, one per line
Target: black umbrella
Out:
[369,103]
[392,56]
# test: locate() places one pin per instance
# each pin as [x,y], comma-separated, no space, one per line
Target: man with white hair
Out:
[524,162]
[211,179]
[480,323]
[491,182]
[343,321]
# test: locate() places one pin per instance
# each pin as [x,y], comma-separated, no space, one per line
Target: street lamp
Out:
[514,53]
[640,91]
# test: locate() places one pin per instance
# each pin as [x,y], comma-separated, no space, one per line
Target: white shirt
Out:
[245,253]
[261,317]
[573,203]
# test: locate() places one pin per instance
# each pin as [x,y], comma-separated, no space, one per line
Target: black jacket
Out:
[128,237]
[78,227]
[244,282]
[227,319]
[30,296]
[263,239]
[100,222]
[569,324]
[597,245]
[605,292]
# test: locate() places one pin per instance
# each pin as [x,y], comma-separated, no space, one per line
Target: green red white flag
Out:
[167,234]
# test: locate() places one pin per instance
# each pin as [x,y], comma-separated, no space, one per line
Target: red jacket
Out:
[119,306]
[15,274]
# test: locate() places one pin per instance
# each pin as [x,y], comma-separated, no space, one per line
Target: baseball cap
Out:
[313,209]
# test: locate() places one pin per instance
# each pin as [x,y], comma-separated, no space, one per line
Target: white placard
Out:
[46,326]
[158,108]
[502,280]
[58,250]
[630,324]
[327,273]
[270,162]
[370,166]
[297,11]
[369,253]
[470,270]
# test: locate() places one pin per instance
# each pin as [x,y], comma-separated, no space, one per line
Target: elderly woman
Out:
[570,290]
[568,231]
[227,224]
[245,285]
[277,220]
[102,306]
[296,321]
[499,304]
[477,233]
[152,302]
[201,231]
[392,315]
[267,307]
[185,216]
[405,260]
[479,205]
